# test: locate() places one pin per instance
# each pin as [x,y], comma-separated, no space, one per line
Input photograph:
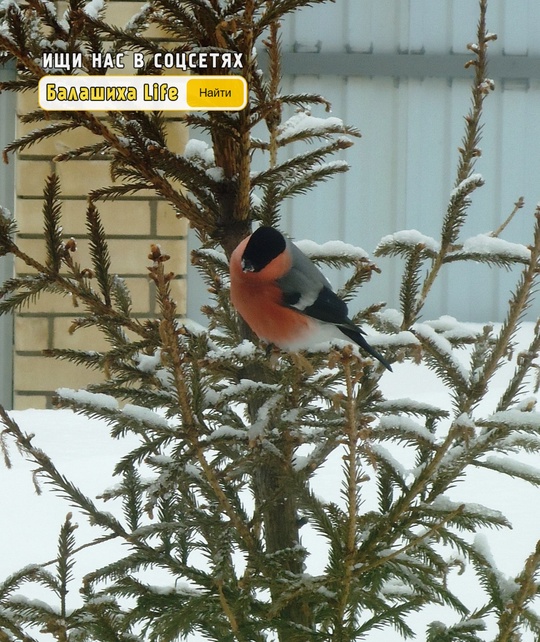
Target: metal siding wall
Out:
[403,168]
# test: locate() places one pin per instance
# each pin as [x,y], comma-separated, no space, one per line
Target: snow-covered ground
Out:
[84,452]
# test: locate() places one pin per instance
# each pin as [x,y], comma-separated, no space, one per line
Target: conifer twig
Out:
[352,475]
[389,530]
[229,612]
[528,589]
[65,563]
[517,206]
[82,547]
[273,118]
[518,304]
[469,152]
[413,543]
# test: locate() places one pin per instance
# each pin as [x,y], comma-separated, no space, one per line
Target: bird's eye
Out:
[247,266]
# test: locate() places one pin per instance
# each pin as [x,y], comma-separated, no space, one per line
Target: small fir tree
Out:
[242,430]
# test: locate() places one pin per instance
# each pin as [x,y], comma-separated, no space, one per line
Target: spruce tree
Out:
[234,431]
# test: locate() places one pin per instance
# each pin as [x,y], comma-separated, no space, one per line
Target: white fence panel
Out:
[403,168]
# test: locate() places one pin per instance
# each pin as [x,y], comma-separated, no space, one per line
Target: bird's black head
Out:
[264,245]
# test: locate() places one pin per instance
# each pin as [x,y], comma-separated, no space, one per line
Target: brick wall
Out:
[131,225]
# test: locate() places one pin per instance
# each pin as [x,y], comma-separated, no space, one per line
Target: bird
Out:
[284,297]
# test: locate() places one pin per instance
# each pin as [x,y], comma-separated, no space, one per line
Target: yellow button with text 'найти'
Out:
[216,92]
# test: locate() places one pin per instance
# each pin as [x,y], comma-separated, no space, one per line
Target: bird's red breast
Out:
[259,300]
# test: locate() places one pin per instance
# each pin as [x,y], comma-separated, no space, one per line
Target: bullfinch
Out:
[285,299]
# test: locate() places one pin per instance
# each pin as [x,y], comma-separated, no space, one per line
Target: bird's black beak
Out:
[247,266]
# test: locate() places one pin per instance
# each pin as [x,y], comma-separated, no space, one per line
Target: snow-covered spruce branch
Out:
[352,489]
[302,126]
[516,610]
[441,357]
[524,366]
[520,301]
[428,534]
[303,163]
[401,511]
[454,219]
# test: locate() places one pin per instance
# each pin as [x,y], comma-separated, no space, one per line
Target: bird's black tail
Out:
[357,336]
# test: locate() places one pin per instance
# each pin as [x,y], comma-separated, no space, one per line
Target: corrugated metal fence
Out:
[394,69]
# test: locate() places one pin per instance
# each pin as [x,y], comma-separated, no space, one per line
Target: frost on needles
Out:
[220,491]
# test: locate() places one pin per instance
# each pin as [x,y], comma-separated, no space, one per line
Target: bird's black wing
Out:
[305,289]
[328,307]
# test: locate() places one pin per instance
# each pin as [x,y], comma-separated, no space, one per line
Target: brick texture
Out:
[132,224]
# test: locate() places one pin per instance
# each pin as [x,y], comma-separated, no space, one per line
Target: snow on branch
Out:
[144,416]
[457,208]
[413,407]
[453,330]
[332,249]
[513,419]
[490,249]
[466,187]
[404,241]
[97,400]
[402,428]
[442,353]
[478,512]
[94,8]
[511,467]
[303,125]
